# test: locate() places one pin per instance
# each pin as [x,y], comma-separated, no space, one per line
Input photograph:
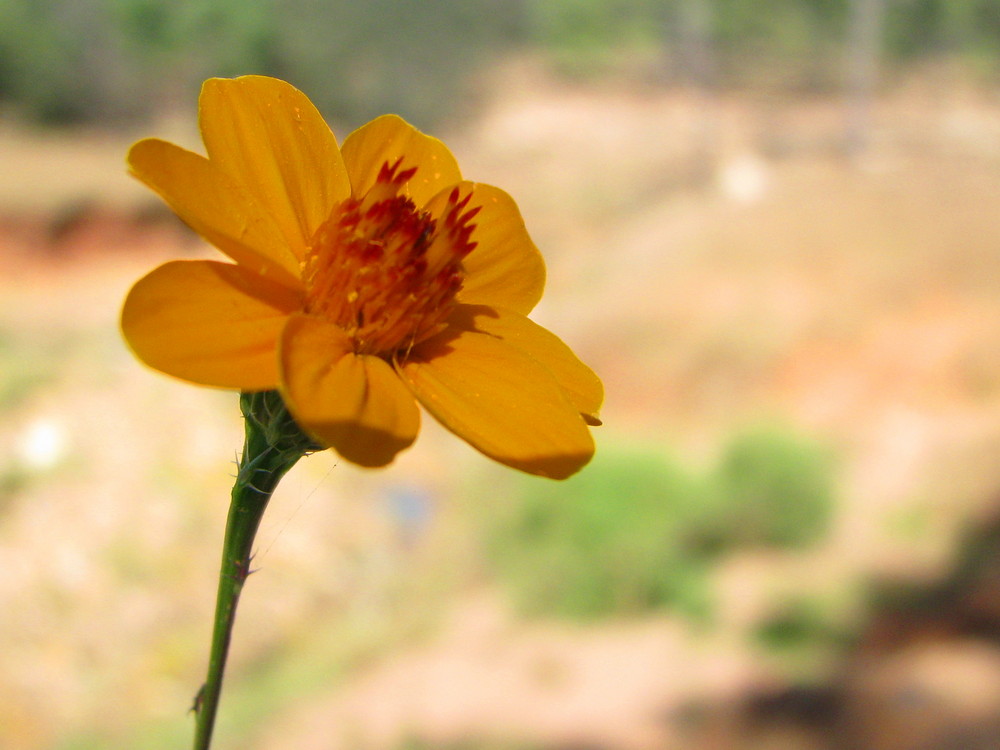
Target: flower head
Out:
[366,278]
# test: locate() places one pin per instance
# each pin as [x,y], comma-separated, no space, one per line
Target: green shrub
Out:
[610,540]
[804,632]
[798,624]
[637,531]
[774,488]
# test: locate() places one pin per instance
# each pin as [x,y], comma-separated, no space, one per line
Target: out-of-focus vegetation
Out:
[65,61]
[569,549]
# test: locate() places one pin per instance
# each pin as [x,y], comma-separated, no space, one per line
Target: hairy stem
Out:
[272,445]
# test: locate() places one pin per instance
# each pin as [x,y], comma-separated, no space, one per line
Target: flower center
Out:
[385,272]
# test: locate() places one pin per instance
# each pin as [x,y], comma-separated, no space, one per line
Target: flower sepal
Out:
[280,442]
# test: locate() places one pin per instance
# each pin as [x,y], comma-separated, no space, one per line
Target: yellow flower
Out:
[366,278]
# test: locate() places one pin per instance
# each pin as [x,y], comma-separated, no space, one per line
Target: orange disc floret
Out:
[384,271]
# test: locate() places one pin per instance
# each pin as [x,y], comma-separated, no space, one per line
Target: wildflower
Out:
[366,278]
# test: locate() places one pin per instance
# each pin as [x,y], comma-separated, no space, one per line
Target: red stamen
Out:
[386,272]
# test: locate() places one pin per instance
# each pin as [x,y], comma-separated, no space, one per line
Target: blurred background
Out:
[771,226]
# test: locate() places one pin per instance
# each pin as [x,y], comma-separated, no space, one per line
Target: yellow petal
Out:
[582,386]
[354,403]
[216,207]
[389,138]
[505,269]
[209,323]
[501,401]
[270,137]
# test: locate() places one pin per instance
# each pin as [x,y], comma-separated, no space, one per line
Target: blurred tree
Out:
[178,45]
[64,61]
[358,60]
[793,43]
[918,28]
[73,60]
[863,54]
[69,60]
[591,37]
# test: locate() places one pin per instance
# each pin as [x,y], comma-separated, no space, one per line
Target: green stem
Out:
[272,445]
